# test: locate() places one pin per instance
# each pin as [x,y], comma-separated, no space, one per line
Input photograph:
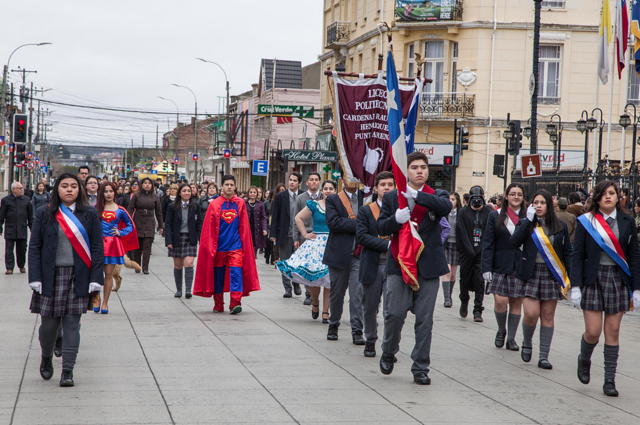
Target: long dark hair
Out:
[598,193]
[54,204]
[458,204]
[177,204]
[100,203]
[551,220]
[505,204]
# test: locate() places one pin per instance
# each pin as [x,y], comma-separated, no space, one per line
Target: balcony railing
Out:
[337,34]
[455,105]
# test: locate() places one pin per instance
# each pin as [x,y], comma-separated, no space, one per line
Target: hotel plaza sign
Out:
[310,156]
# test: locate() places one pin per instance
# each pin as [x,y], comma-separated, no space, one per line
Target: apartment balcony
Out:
[447,105]
[337,34]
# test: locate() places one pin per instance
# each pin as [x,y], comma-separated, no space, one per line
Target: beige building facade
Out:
[481,63]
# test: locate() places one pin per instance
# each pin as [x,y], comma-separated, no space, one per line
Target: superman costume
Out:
[226,261]
[115,247]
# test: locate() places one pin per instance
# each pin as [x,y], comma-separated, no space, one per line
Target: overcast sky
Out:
[127,53]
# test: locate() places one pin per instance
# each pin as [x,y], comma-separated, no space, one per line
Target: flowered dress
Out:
[305,265]
[113,247]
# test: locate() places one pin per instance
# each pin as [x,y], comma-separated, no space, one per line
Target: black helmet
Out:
[476,197]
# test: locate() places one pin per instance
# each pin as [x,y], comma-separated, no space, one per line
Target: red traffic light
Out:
[448,160]
[21,122]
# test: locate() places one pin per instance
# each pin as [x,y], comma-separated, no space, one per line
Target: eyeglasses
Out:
[19,188]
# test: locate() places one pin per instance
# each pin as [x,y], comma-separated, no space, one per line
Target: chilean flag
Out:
[622,34]
[410,243]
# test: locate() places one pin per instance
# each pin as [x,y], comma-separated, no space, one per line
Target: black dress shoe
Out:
[307,301]
[526,353]
[464,309]
[609,388]
[57,349]
[386,363]
[332,334]
[287,294]
[145,271]
[477,316]
[315,314]
[421,378]
[584,370]
[46,368]
[296,289]
[187,295]
[358,339]
[370,349]
[66,380]
[512,346]
[500,336]
[544,364]
[178,294]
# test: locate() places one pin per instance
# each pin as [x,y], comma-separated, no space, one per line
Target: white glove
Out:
[36,286]
[636,299]
[410,193]
[95,287]
[576,297]
[531,212]
[488,276]
[403,215]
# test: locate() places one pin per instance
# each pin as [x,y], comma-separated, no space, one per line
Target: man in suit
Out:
[312,193]
[431,265]
[341,256]
[373,260]
[283,225]
[16,213]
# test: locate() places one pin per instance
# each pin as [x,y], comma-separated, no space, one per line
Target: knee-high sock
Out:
[527,335]
[188,278]
[610,360]
[546,335]
[48,333]
[70,340]
[446,289]
[501,318]
[177,275]
[514,321]
[586,349]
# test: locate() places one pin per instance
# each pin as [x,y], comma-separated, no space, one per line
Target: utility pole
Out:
[30,134]
[227,161]
[534,97]
[195,146]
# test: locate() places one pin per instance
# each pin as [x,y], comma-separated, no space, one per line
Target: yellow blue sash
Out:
[551,259]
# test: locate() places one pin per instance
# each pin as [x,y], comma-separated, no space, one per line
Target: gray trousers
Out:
[371,294]
[341,279]
[400,299]
[286,251]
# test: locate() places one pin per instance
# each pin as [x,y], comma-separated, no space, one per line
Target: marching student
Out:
[605,265]
[426,208]
[542,275]
[373,260]
[451,251]
[500,261]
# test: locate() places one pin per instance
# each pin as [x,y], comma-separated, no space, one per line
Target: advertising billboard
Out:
[426,10]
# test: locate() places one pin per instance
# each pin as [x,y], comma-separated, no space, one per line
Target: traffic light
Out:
[498,165]
[517,136]
[19,133]
[20,153]
[128,167]
[447,165]
[464,139]
[173,167]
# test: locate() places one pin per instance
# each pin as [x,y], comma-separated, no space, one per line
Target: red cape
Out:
[130,241]
[203,284]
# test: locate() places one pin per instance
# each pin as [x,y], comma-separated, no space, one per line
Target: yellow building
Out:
[479,54]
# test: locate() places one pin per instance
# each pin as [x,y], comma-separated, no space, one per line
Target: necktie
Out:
[295,195]
[610,221]
[185,205]
[314,196]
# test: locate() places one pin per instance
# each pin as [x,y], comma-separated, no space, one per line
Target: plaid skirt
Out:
[64,300]
[542,285]
[452,254]
[184,248]
[608,293]
[505,285]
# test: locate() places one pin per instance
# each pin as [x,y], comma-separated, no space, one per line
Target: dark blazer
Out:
[342,232]
[372,245]
[16,213]
[259,224]
[522,236]
[174,223]
[280,217]
[42,252]
[432,262]
[498,256]
[586,254]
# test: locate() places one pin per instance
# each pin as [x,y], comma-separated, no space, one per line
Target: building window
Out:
[411,66]
[549,77]
[454,67]
[634,88]
[434,67]
[552,4]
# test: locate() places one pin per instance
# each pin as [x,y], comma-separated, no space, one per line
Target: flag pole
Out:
[627,60]
[614,60]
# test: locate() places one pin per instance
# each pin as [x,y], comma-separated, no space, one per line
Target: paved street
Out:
[159,360]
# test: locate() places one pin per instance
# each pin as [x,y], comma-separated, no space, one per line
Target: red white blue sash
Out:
[511,220]
[76,233]
[600,231]
[551,259]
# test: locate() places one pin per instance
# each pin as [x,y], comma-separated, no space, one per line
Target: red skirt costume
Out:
[115,247]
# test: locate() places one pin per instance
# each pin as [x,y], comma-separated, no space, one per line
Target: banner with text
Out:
[568,159]
[363,135]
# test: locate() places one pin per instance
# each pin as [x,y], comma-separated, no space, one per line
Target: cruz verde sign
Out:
[310,156]
[287,111]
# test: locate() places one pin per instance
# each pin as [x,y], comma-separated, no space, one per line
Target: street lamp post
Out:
[600,125]
[581,126]
[555,136]
[227,161]
[625,121]
[195,134]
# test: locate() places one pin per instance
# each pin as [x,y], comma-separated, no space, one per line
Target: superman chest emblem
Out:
[229,215]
